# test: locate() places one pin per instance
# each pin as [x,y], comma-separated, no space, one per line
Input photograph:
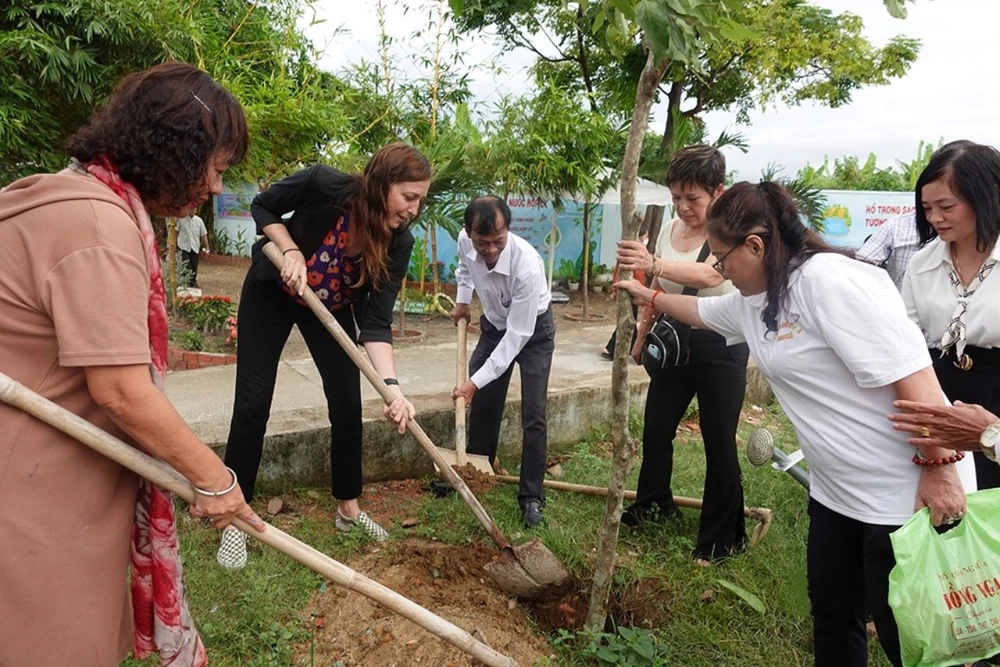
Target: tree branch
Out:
[524,42]
[584,65]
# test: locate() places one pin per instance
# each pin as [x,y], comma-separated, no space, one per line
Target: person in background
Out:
[509,276]
[83,323]
[892,246]
[715,372]
[952,288]
[832,337]
[347,238]
[192,239]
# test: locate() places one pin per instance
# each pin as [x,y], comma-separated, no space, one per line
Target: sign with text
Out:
[851,217]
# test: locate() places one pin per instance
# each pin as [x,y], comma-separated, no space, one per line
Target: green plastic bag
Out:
[945,588]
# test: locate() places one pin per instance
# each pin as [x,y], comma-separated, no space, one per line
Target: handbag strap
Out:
[702,256]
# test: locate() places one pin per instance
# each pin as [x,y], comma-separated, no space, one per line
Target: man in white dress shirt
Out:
[508,275]
[892,246]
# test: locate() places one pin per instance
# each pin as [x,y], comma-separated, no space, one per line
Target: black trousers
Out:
[486,411]
[848,564]
[191,258]
[979,385]
[610,347]
[717,375]
[266,316]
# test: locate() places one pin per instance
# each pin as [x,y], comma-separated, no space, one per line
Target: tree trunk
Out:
[624,445]
[172,258]
[673,110]
[423,258]
[434,258]
[586,256]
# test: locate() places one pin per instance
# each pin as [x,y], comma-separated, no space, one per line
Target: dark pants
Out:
[191,258]
[486,412]
[717,375]
[848,564]
[979,385]
[610,347]
[266,316]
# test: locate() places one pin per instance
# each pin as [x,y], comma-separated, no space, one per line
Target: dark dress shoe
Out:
[532,512]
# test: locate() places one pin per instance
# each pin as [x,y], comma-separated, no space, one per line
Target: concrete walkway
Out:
[426,373]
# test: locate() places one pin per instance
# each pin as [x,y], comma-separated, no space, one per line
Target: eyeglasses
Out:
[720,267]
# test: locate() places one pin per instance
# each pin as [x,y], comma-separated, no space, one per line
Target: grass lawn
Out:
[257,617]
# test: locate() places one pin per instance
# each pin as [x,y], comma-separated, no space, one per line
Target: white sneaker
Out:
[372,529]
[232,549]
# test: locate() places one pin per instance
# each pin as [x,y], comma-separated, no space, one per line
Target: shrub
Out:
[208,313]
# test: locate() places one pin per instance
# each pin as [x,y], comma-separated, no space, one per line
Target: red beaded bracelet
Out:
[954,458]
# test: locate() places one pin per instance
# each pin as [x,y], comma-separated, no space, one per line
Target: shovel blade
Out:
[529,571]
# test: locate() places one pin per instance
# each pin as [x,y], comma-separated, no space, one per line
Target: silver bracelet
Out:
[216,494]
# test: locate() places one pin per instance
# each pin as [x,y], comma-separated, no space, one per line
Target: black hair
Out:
[972,171]
[766,209]
[160,128]
[483,213]
[698,165]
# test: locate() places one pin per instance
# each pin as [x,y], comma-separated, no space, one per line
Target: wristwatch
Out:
[989,441]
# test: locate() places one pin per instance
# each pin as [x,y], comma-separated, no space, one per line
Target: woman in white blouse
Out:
[952,288]
[832,337]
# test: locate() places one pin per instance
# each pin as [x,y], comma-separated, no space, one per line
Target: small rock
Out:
[511,603]
[274,506]
[707,596]
[312,493]
[410,523]
[556,470]
[413,642]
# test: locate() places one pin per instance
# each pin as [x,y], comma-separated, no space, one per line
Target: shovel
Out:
[528,571]
[459,457]
[59,418]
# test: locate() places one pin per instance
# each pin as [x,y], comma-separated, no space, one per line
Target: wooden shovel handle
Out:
[361,361]
[18,396]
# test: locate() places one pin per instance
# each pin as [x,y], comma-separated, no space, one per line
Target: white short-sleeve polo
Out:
[843,338]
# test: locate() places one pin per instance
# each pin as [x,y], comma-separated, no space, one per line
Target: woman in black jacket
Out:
[347,239]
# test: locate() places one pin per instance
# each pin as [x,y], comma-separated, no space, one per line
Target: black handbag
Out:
[666,344]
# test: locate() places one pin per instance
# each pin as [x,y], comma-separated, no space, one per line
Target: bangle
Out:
[216,494]
[652,302]
[954,458]
[285,252]
[656,261]
[391,381]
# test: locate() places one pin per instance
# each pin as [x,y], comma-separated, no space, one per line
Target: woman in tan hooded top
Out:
[83,323]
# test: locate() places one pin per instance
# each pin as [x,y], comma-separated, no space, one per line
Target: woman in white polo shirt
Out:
[832,337]
[952,286]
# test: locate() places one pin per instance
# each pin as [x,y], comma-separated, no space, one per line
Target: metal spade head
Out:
[529,571]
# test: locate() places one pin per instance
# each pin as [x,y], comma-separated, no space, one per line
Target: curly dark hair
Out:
[160,127]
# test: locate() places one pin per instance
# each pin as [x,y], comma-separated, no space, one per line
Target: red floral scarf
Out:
[162,621]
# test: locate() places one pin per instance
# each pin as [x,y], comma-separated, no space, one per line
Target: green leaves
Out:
[745,595]
[896,8]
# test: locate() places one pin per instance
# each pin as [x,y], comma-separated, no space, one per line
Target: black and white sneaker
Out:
[232,549]
[372,529]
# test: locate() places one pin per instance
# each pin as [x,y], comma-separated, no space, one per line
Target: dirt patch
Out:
[568,612]
[477,481]
[645,603]
[445,579]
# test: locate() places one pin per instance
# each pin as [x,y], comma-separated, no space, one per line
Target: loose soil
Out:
[447,580]
[478,482]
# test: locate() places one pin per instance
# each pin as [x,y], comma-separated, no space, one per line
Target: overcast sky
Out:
[950,91]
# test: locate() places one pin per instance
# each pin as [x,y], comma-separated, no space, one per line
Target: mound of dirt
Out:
[445,579]
[478,482]
[645,603]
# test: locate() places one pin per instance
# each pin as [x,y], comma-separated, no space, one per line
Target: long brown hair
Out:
[396,163]
[768,210]
[160,127]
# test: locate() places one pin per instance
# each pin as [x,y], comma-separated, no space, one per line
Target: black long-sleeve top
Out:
[316,198]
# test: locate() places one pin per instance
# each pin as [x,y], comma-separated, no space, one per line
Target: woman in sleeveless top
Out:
[715,373]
